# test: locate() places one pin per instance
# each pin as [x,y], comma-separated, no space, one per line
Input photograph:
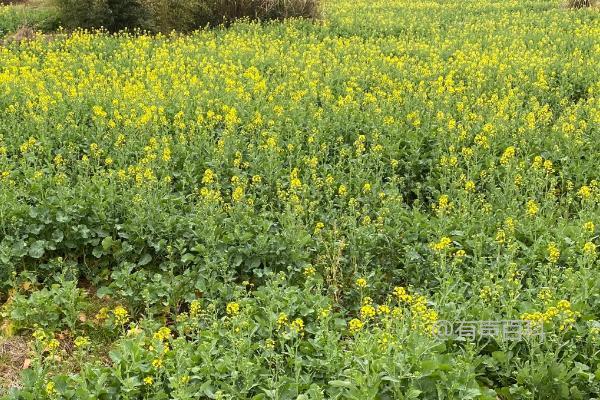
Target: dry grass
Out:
[267,9]
[23,33]
[575,4]
[14,357]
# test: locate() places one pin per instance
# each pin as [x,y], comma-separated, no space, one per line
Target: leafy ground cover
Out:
[287,210]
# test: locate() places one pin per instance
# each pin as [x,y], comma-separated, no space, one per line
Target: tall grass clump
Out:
[580,3]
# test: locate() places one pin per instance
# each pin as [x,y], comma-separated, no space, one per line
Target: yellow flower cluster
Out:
[442,244]
[121,315]
[560,315]
[232,308]
[553,253]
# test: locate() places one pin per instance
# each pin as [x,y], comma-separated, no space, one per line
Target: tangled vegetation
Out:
[287,210]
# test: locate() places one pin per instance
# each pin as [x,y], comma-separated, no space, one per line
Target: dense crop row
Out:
[450,148]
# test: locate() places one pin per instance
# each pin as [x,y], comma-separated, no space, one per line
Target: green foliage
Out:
[252,351]
[54,308]
[298,203]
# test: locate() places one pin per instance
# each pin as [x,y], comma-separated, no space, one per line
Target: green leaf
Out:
[187,257]
[37,249]
[58,236]
[146,258]
[97,252]
[500,356]
[338,383]
[103,291]
[107,243]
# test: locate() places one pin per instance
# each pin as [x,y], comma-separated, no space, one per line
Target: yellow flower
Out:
[195,308]
[39,335]
[589,248]
[102,314]
[470,186]
[383,309]
[508,154]
[148,381]
[297,325]
[553,253]
[564,305]
[120,140]
[585,192]
[99,111]
[532,208]
[500,236]
[355,325]
[166,155]
[589,226]
[208,177]
[367,312]
[318,227]
[402,294]
[442,244]
[385,340]
[269,344]
[81,341]
[157,363]
[121,315]
[232,308]
[361,283]
[324,312]
[518,180]
[545,295]
[443,204]
[50,388]
[59,160]
[162,334]
[309,271]
[282,320]
[238,194]
[342,190]
[53,344]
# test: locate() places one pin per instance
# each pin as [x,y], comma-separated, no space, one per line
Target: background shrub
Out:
[113,15]
[179,15]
